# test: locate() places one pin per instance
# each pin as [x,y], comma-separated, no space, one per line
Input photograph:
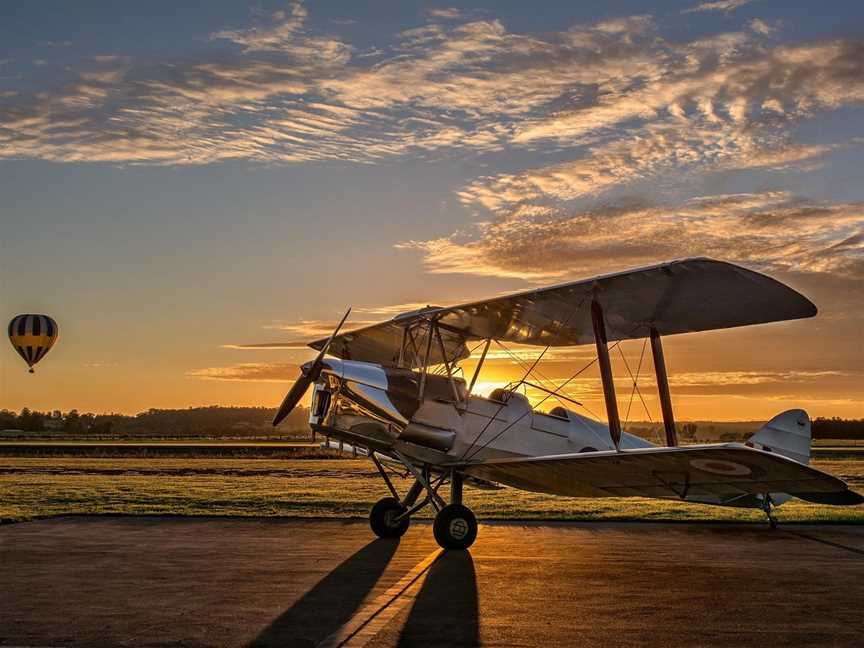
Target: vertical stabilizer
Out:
[787,434]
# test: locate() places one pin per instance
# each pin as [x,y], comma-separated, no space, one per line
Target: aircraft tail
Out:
[787,434]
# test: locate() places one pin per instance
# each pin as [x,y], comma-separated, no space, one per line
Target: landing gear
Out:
[766,507]
[455,527]
[387,518]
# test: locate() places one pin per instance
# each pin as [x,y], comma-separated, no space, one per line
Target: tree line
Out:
[194,421]
[838,428]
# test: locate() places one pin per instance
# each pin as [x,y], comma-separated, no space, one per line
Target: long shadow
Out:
[332,602]
[445,611]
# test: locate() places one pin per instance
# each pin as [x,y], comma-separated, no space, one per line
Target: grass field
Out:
[43,486]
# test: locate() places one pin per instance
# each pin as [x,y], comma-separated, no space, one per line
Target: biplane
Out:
[393,392]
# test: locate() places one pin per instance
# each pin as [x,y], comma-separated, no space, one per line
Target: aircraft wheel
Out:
[455,527]
[382,518]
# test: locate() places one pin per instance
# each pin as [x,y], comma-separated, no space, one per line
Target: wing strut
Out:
[663,388]
[426,361]
[606,372]
[479,365]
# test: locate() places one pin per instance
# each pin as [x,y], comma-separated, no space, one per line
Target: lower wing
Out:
[721,474]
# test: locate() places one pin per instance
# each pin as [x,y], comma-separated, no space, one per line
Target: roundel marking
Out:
[721,467]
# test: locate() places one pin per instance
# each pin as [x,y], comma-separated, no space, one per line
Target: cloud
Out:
[287,94]
[774,231]
[728,79]
[444,13]
[761,27]
[725,102]
[618,101]
[718,5]
[647,152]
[280,34]
[305,331]
[268,346]
[249,371]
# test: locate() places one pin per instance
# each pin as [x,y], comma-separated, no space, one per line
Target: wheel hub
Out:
[458,528]
[390,519]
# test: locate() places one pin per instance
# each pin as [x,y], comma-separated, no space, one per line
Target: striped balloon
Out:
[32,336]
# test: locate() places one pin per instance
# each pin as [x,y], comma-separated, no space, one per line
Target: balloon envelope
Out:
[32,336]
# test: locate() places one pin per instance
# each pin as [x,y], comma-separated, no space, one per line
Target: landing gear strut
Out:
[766,507]
[455,526]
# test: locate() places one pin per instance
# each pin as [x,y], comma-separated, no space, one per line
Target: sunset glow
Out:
[193,202]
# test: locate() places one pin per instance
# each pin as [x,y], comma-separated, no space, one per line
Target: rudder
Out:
[788,434]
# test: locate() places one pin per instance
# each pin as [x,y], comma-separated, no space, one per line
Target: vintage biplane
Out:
[392,392]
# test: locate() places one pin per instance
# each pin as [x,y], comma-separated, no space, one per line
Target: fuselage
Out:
[381,408]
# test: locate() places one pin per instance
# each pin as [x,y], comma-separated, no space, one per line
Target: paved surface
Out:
[268,582]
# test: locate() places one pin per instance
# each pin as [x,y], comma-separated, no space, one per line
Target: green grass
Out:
[41,486]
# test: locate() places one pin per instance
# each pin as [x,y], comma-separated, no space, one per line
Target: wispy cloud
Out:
[718,5]
[773,230]
[286,93]
[618,103]
[304,331]
[445,13]
[280,31]
[268,346]
[249,371]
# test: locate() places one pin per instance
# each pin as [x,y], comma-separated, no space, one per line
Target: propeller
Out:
[309,373]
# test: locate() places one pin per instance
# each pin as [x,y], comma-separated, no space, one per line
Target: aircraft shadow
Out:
[445,612]
[332,602]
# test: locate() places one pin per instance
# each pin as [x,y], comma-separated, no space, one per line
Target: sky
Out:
[188,188]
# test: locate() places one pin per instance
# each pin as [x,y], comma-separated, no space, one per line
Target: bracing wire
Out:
[503,405]
[530,411]
[540,375]
[510,425]
[635,383]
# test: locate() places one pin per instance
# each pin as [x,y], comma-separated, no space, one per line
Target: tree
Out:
[72,422]
[8,420]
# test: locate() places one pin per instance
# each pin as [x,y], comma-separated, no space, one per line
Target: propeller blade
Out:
[298,389]
[307,377]
[334,333]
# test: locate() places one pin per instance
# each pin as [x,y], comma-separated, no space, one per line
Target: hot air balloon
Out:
[32,336]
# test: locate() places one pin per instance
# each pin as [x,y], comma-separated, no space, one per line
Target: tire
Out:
[455,527]
[381,518]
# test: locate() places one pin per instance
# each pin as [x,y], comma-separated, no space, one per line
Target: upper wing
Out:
[675,297]
[721,473]
[382,342]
